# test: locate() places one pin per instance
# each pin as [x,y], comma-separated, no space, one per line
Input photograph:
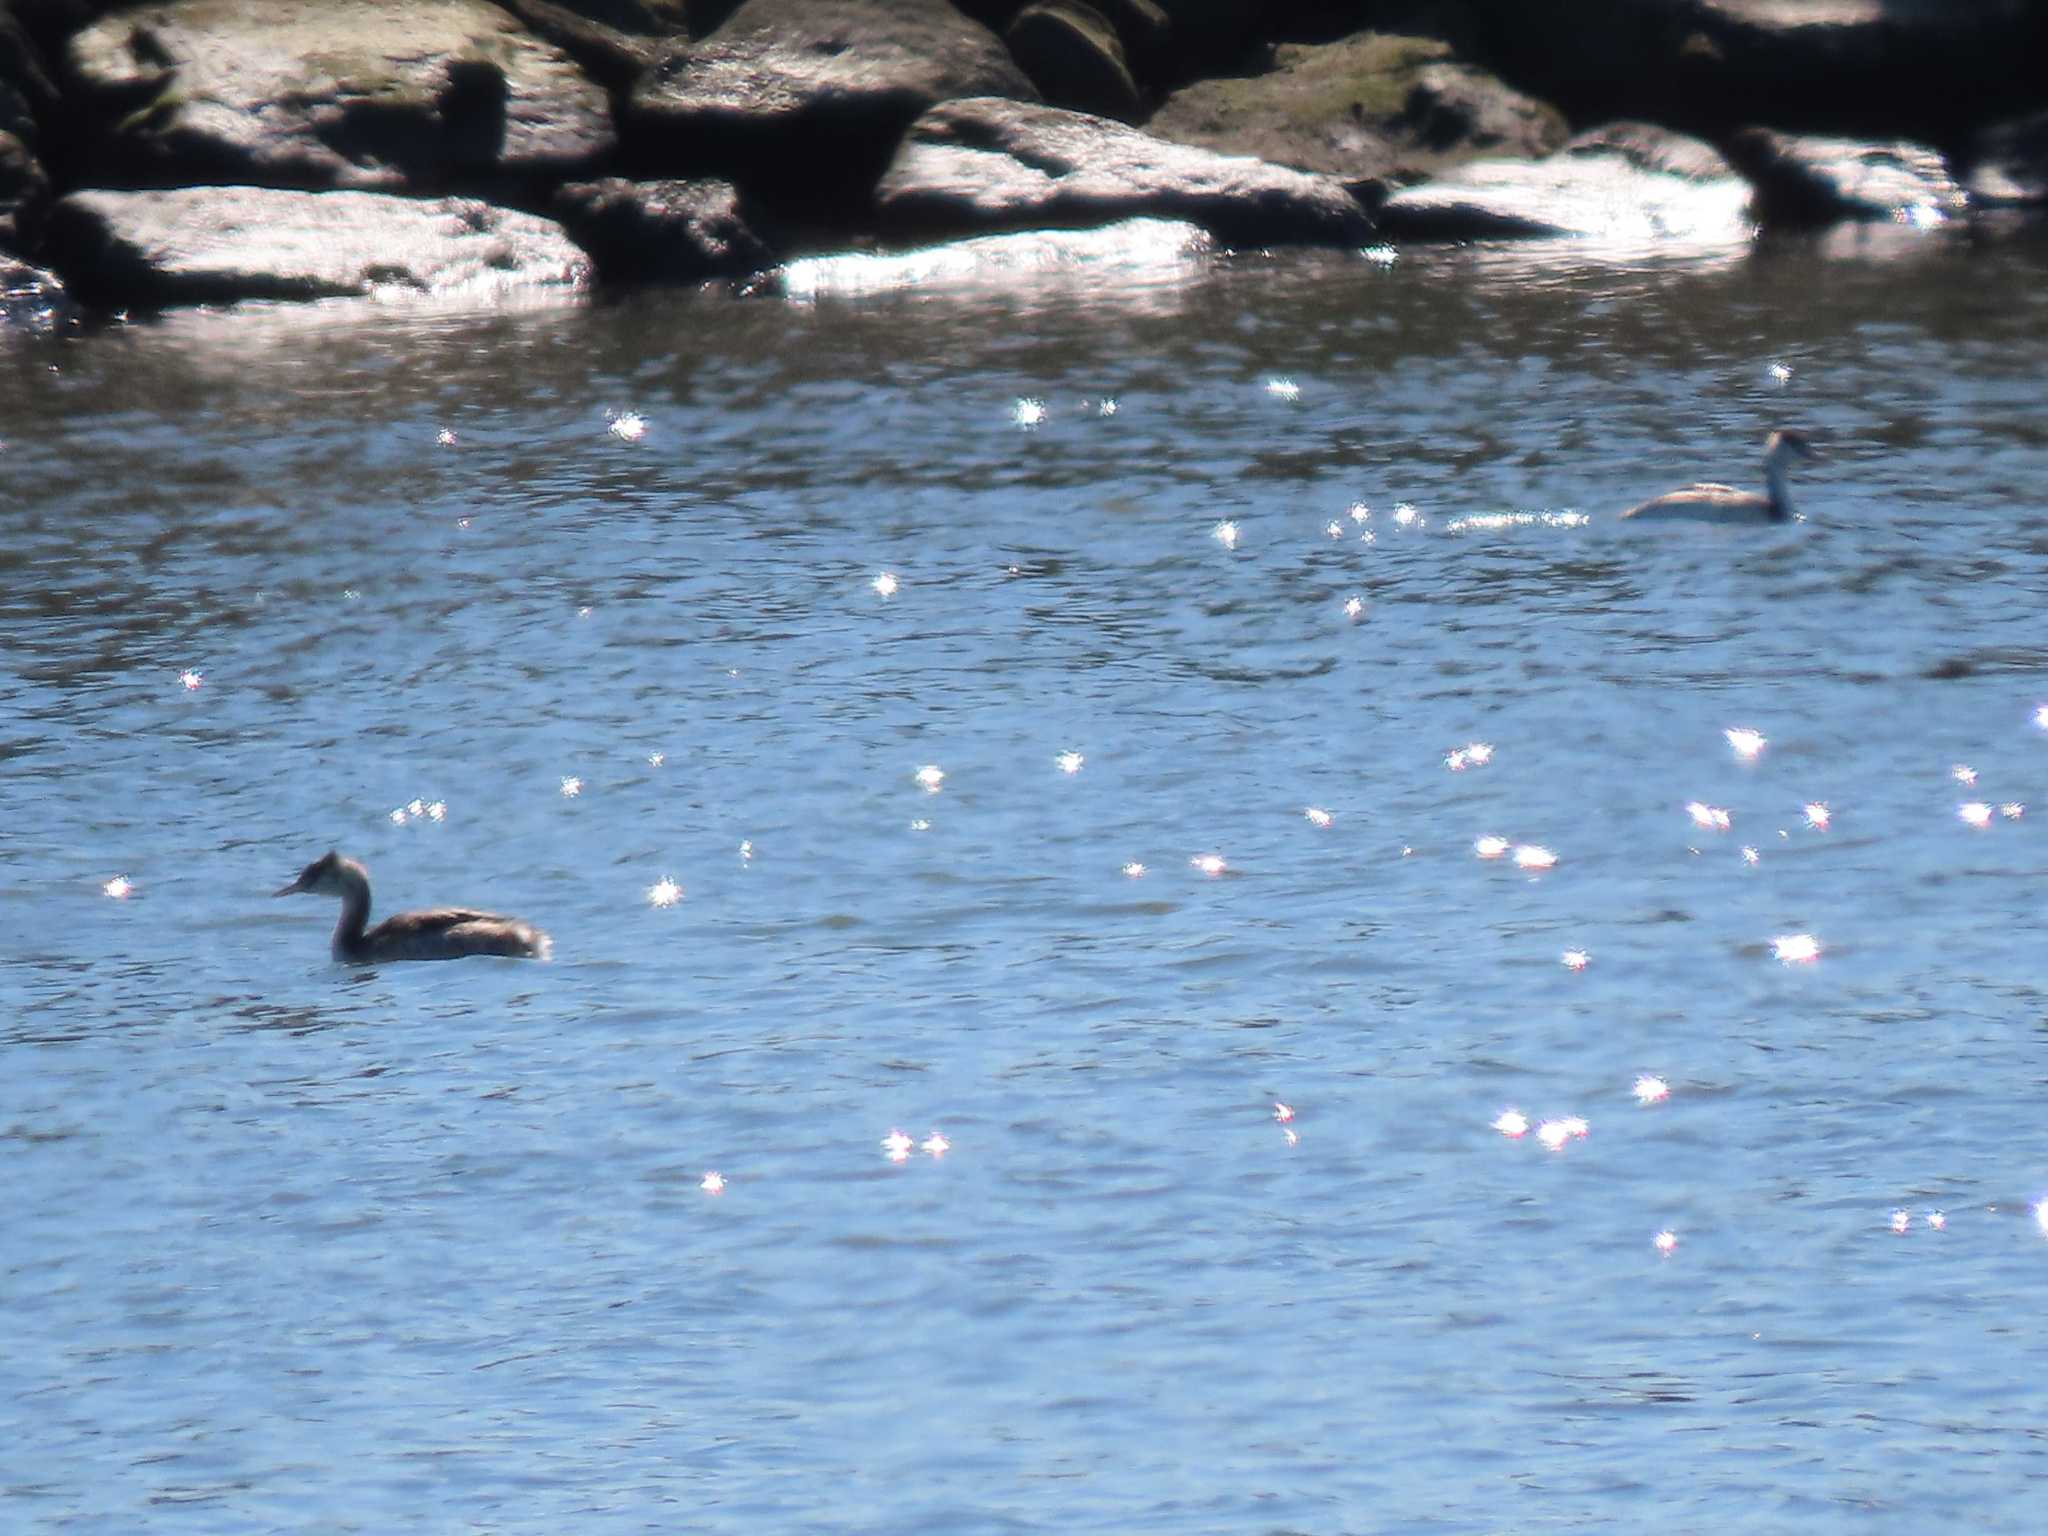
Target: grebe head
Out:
[323,877]
[1783,446]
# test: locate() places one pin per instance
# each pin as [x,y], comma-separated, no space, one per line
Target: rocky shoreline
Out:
[210,151]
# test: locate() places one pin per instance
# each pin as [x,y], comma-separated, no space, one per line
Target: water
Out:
[295,1247]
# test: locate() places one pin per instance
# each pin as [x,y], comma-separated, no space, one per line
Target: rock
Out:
[217,245]
[31,298]
[1628,183]
[24,93]
[662,231]
[1137,255]
[1369,108]
[1803,180]
[804,100]
[1927,69]
[336,93]
[2010,163]
[1075,58]
[993,164]
[615,41]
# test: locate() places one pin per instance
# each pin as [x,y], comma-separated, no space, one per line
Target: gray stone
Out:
[615,41]
[992,164]
[386,94]
[1804,180]
[662,231]
[806,99]
[217,245]
[1369,108]
[2010,163]
[1629,184]
[1074,57]
[31,298]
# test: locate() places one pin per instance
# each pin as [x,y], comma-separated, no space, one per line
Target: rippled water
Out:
[294,1247]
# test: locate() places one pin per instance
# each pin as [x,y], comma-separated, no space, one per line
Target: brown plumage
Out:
[440,933]
[1712,502]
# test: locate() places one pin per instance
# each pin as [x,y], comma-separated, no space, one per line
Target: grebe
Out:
[444,933]
[1709,502]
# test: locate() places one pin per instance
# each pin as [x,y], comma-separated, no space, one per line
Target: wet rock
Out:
[24,94]
[1368,108]
[1804,180]
[2010,163]
[804,100]
[991,164]
[1630,183]
[1075,58]
[217,245]
[662,231]
[1053,265]
[335,93]
[32,298]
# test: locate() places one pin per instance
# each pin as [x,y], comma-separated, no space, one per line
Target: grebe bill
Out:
[1712,502]
[441,933]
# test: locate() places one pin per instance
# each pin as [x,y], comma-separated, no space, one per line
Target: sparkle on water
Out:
[896,1146]
[885,583]
[1666,1241]
[1712,818]
[1292,1136]
[1974,813]
[1225,533]
[1750,856]
[2041,717]
[656,759]
[1476,755]
[2041,1216]
[1938,1220]
[746,850]
[191,678]
[1780,373]
[120,887]
[2012,810]
[713,1183]
[1070,762]
[1901,1220]
[1501,522]
[1963,774]
[1282,1112]
[1575,959]
[1511,1123]
[1134,870]
[1796,948]
[1028,412]
[1209,863]
[1405,515]
[930,777]
[1283,389]
[627,426]
[1817,815]
[1107,407]
[1318,816]
[1532,856]
[1746,742]
[920,825]
[571,786]
[1359,512]
[935,1145]
[1354,607]
[1553,1134]
[1334,529]
[664,893]
[1650,1089]
[1490,847]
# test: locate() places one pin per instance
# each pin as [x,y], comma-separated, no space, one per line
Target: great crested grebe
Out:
[1713,503]
[443,933]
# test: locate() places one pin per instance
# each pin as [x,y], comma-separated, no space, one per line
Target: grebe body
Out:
[1711,502]
[441,933]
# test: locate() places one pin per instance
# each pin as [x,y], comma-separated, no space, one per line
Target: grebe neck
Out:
[355,912]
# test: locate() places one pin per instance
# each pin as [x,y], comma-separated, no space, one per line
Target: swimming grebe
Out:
[1709,502]
[444,933]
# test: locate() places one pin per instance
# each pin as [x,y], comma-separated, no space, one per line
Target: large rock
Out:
[615,41]
[1919,68]
[804,100]
[25,93]
[388,94]
[662,231]
[1075,58]
[1369,108]
[991,164]
[217,245]
[1803,181]
[1136,259]
[2009,163]
[1627,184]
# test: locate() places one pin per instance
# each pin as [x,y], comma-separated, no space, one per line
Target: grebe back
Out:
[441,933]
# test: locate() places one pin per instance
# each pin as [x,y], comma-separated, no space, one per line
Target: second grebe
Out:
[1714,503]
[442,933]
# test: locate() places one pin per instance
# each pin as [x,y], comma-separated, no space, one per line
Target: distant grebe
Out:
[444,933]
[1709,502]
